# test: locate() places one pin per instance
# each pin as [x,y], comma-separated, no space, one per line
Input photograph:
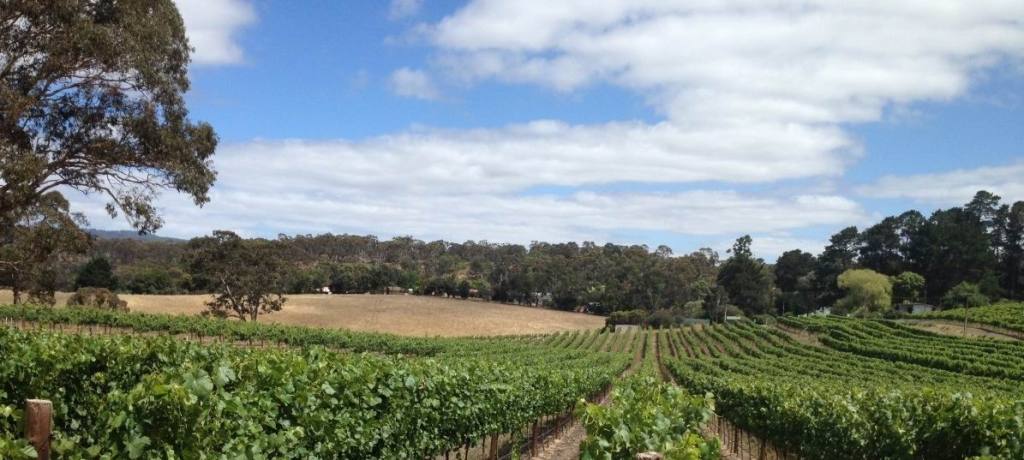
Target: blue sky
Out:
[683,123]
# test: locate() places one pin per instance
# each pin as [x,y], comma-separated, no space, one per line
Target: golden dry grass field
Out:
[397,314]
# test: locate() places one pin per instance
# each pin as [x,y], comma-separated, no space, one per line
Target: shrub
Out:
[97,298]
[964,295]
[96,273]
[626,317]
[867,292]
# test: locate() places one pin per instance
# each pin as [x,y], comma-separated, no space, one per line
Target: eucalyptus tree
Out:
[246,277]
[92,100]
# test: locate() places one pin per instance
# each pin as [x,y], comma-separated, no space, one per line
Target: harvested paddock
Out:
[397,314]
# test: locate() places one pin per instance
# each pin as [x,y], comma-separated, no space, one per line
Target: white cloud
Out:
[953,187]
[711,61]
[413,83]
[283,189]
[519,157]
[475,185]
[211,26]
[423,184]
[750,92]
[400,9]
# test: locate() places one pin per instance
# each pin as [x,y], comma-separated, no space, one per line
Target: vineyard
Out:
[155,386]
[825,403]
[1005,315]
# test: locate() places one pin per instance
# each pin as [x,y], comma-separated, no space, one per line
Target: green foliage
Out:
[693,309]
[96,273]
[32,242]
[626,317]
[820,403]
[569,275]
[794,277]
[247,277]
[647,416]
[147,279]
[160,397]
[12,445]
[893,342]
[907,287]
[1006,315]
[839,256]
[952,247]
[867,292]
[94,101]
[964,295]
[747,280]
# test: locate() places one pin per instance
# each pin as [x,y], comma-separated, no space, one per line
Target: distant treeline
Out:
[979,244]
[563,276]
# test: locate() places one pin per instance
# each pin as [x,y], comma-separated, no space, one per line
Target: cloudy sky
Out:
[678,122]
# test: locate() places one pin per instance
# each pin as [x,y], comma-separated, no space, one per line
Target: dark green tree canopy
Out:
[791,267]
[747,280]
[91,99]
[880,247]
[96,273]
[839,256]
[794,278]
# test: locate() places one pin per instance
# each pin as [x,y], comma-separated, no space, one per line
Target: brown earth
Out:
[957,329]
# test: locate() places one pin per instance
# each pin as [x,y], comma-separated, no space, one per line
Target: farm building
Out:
[914,308]
[823,311]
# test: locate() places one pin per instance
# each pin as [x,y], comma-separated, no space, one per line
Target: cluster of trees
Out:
[565,276]
[965,255]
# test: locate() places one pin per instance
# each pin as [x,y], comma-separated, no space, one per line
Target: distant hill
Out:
[130,235]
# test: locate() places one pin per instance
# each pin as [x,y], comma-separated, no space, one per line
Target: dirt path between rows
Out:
[800,335]
[567,445]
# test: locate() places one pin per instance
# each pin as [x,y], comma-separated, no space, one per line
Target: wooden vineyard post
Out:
[762,454]
[533,440]
[721,433]
[735,439]
[494,447]
[38,421]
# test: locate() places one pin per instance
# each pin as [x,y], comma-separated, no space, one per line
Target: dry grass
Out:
[397,314]
[956,329]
